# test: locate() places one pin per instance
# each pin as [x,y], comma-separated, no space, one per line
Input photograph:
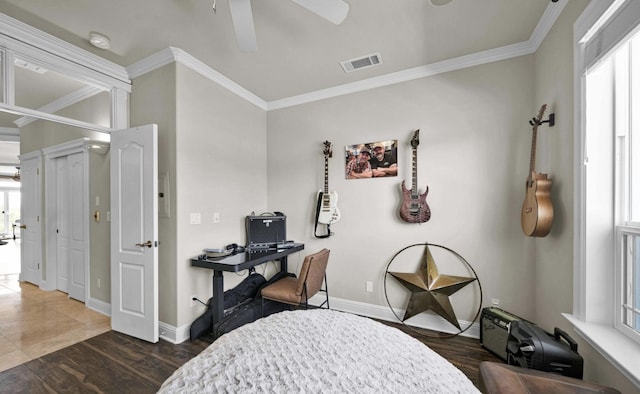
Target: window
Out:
[607,182]
[625,66]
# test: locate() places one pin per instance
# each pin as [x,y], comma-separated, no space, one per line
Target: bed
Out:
[317,351]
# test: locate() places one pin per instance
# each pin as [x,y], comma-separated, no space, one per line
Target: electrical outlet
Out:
[369,287]
[216,217]
[495,302]
[194,303]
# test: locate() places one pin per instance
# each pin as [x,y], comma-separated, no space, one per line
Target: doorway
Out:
[10,208]
[10,231]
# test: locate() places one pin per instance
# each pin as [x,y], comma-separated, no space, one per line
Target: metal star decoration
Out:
[430,290]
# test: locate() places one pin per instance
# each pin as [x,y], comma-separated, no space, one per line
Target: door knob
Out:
[23,226]
[148,244]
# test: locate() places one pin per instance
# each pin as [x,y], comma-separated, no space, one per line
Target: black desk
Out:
[236,263]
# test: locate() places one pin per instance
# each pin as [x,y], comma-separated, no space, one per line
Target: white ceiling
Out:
[298,52]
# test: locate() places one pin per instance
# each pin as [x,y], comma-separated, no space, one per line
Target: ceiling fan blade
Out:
[242,18]
[334,11]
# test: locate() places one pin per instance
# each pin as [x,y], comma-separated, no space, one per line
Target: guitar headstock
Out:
[328,150]
[538,121]
[415,140]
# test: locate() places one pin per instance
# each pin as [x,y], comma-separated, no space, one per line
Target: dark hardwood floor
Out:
[116,363]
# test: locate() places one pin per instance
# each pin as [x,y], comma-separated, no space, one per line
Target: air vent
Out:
[361,62]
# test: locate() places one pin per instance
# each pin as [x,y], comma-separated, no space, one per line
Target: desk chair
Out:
[297,291]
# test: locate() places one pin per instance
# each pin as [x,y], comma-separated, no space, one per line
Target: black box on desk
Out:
[529,346]
[264,232]
[494,330]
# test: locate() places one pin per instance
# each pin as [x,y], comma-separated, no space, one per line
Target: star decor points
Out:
[430,290]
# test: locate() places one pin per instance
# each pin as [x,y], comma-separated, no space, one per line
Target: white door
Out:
[63,227]
[30,228]
[134,232]
[76,218]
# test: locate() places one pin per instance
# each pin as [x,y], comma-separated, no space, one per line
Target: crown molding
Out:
[9,134]
[548,19]
[23,38]
[546,22]
[12,109]
[62,103]
[458,63]
[172,54]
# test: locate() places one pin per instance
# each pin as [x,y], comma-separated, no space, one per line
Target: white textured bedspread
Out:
[317,351]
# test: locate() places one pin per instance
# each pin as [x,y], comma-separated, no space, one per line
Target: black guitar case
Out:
[243,293]
[246,313]
[250,311]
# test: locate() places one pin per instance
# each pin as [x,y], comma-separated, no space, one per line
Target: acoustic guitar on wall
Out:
[537,210]
[414,208]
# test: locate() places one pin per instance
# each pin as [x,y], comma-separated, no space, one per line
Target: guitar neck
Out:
[532,161]
[326,176]
[414,174]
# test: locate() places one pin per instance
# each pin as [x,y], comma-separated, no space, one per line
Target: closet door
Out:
[30,226]
[63,228]
[70,254]
[76,220]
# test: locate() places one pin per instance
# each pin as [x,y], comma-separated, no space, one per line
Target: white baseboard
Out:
[177,335]
[424,320]
[99,306]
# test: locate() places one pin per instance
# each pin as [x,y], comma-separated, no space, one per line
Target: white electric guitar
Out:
[328,211]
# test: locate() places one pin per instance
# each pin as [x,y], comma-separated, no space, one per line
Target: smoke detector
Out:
[361,62]
[99,40]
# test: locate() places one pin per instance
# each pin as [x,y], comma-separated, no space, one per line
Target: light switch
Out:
[196,218]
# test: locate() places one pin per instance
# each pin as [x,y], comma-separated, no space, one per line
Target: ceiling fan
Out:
[15,177]
[334,11]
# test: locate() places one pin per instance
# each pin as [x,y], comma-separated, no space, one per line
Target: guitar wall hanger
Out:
[551,121]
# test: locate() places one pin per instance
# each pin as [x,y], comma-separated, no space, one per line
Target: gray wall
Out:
[473,155]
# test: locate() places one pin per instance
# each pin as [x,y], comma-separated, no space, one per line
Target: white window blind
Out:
[622,19]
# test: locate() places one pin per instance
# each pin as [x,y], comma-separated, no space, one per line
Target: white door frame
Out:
[79,145]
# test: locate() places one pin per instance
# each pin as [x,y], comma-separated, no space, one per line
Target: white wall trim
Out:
[62,103]
[99,306]
[172,54]
[429,70]
[24,38]
[52,117]
[66,148]
[427,321]
[615,347]
[9,134]
[173,334]
[164,57]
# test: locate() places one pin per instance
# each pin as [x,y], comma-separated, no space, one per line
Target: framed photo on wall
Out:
[371,160]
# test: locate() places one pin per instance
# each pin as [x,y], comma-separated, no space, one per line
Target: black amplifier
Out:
[494,330]
[529,346]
